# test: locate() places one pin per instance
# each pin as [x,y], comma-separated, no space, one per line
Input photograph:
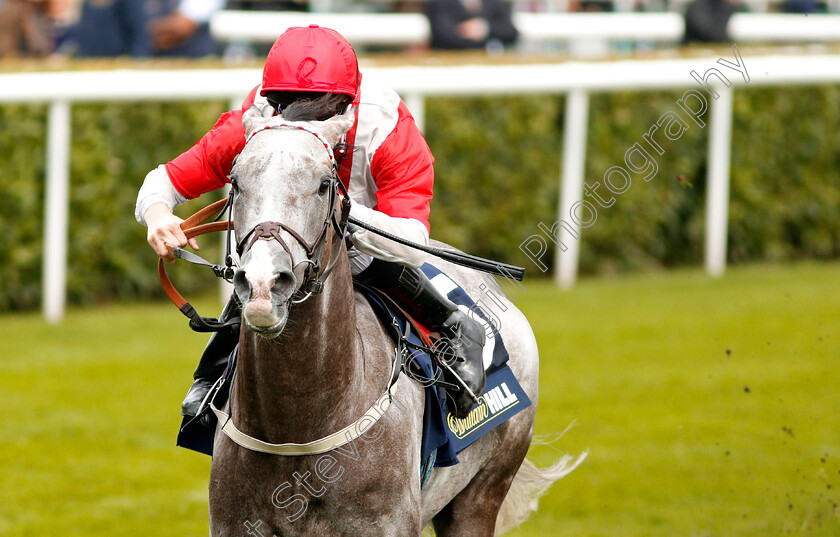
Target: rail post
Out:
[717,182]
[571,185]
[55,211]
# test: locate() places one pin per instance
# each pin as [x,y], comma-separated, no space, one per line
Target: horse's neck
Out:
[290,388]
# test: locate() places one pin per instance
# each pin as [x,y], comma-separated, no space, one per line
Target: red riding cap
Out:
[311,59]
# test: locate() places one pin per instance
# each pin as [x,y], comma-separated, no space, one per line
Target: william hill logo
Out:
[494,403]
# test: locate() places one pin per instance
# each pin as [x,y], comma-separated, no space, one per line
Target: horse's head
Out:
[285,213]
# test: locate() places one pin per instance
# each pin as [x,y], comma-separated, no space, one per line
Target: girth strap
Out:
[322,445]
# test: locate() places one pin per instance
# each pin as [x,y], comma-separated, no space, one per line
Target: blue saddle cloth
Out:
[444,436]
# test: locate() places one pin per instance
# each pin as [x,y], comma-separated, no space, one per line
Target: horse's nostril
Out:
[284,283]
[241,285]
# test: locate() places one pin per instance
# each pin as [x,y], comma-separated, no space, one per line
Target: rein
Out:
[193,227]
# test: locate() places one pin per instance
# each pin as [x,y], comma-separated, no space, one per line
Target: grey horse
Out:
[312,366]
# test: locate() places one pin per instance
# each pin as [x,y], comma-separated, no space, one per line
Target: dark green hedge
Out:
[113,147]
[498,166]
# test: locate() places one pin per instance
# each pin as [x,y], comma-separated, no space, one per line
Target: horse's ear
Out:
[335,127]
[255,116]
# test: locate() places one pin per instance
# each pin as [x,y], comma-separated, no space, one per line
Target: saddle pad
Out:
[495,353]
[502,399]
[444,436]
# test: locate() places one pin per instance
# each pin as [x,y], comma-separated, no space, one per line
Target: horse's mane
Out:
[318,109]
[321,109]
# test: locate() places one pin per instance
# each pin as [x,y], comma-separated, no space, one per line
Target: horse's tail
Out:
[529,483]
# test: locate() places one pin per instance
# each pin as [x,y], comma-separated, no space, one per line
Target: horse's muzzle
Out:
[264,288]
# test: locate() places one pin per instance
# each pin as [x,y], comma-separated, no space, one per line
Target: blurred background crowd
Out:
[181,28]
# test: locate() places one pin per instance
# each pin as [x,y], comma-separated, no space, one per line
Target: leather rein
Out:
[314,277]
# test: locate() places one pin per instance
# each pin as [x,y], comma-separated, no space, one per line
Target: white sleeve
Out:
[200,11]
[157,188]
[385,249]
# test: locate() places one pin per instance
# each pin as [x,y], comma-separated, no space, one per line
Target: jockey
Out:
[387,167]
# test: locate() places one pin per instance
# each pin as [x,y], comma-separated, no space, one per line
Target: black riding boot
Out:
[212,364]
[462,337]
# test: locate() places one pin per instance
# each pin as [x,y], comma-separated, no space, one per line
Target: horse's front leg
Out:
[392,510]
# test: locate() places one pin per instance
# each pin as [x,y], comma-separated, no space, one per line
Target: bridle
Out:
[314,277]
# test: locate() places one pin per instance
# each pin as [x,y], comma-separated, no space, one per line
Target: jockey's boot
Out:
[461,337]
[212,364]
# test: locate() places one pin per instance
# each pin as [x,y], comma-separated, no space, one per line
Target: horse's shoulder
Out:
[368,323]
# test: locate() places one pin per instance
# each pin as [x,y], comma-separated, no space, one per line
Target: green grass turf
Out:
[709,408]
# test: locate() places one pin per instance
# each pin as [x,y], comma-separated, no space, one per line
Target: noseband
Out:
[314,277]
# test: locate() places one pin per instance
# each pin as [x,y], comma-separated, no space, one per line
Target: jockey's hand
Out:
[165,231]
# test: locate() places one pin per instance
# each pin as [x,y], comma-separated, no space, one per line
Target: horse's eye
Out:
[234,184]
[325,186]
